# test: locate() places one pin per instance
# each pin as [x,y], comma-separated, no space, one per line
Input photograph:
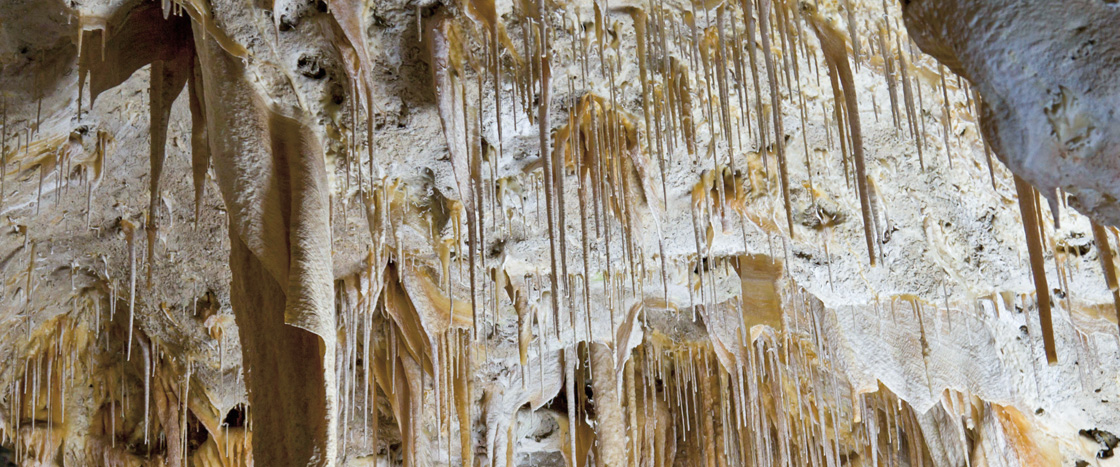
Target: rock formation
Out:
[763,232]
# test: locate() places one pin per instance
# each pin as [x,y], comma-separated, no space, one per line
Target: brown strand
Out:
[1027,208]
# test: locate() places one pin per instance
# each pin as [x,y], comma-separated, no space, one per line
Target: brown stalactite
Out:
[282,288]
[200,143]
[1107,264]
[835,52]
[1028,209]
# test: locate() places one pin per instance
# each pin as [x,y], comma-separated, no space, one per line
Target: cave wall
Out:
[628,233]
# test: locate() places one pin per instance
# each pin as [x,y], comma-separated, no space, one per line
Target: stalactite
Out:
[129,230]
[775,108]
[1030,218]
[852,32]
[889,75]
[835,53]
[166,82]
[200,144]
[912,115]
[946,117]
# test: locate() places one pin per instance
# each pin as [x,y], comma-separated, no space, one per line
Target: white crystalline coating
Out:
[539,233]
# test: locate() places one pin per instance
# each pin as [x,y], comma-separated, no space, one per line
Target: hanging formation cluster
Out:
[530,233]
